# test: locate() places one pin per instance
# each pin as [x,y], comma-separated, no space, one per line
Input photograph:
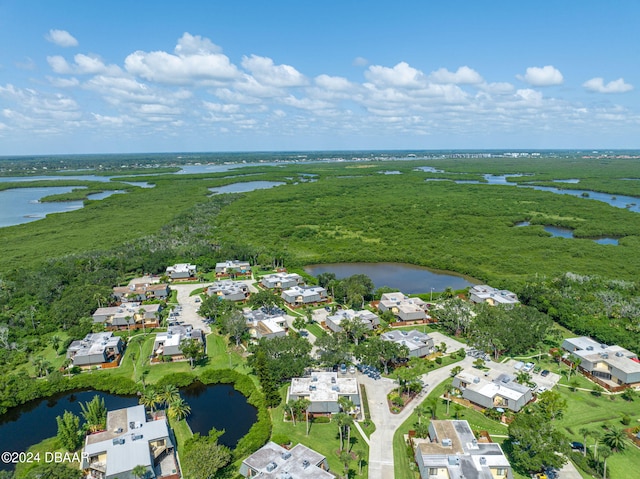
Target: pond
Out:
[218,406]
[245,187]
[408,278]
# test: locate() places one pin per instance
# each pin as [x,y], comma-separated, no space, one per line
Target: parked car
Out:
[343,369]
[197,300]
[544,373]
[528,367]
[541,389]
[577,446]
[352,369]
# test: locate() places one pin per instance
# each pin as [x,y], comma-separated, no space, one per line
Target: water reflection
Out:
[408,278]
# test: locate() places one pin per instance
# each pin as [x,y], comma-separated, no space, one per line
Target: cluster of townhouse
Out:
[265,322]
[613,367]
[501,392]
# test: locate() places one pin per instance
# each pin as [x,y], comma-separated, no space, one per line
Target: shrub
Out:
[281,439]
[439,360]
[322,420]
[626,419]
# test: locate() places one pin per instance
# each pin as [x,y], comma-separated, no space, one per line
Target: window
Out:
[501,471]
[433,471]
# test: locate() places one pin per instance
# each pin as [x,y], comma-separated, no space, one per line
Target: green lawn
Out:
[585,410]
[323,438]
[316,330]
[405,467]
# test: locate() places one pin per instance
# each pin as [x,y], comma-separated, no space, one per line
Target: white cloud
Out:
[401,75]
[59,65]
[266,72]
[616,86]
[333,83]
[463,76]
[27,64]
[62,38]
[197,60]
[63,82]
[360,62]
[542,76]
[195,45]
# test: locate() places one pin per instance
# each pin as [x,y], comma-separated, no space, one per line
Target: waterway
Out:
[245,187]
[560,232]
[218,406]
[408,278]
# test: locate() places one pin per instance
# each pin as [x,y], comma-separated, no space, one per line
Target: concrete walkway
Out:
[381,464]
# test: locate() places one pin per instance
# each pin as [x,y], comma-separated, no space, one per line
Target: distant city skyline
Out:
[116,77]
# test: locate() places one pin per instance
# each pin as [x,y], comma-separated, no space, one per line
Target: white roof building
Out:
[367,318]
[483,293]
[131,439]
[405,308]
[323,390]
[273,461]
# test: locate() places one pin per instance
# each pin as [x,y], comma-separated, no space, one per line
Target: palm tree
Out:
[345,458]
[140,472]
[584,432]
[348,422]
[605,452]
[360,454]
[55,342]
[448,389]
[346,404]
[421,410]
[432,406]
[291,405]
[597,436]
[340,418]
[178,409]
[142,312]
[456,370]
[150,399]
[168,394]
[304,405]
[616,439]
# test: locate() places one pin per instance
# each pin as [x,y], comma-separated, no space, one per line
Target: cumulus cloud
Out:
[616,86]
[62,38]
[542,76]
[197,59]
[195,45]
[401,75]
[266,72]
[333,83]
[83,65]
[463,76]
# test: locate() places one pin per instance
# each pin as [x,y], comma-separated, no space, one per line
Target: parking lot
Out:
[510,367]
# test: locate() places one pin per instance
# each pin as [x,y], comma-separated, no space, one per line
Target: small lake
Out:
[408,278]
[218,406]
[245,187]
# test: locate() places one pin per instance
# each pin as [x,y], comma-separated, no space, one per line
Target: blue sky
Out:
[143,76]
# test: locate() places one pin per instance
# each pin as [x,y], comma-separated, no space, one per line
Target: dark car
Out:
[577,446]
[544,373]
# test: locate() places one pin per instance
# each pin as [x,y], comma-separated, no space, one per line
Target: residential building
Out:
[273,461]
[493,392]
[266,322]
[181,271]
[367,318]
[403,307]
[168,343]
[483,293]
[299,295]
[419,344]
[141,292]
[614,365]
[229,290]
[281,280]
[233,266]
[323,390]
[95,349]
[131,439]
[452,452]
[130,315]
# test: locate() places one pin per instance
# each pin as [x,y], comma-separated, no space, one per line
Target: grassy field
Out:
[323,438]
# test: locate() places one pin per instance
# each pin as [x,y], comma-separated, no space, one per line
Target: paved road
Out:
[381,441]
[189,313]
